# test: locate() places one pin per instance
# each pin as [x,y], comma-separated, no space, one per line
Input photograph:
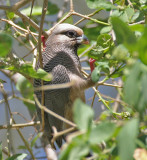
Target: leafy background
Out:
[119,46]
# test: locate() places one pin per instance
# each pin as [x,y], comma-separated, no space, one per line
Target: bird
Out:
[60,58]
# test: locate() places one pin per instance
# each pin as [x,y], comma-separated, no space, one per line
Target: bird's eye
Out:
[71,34]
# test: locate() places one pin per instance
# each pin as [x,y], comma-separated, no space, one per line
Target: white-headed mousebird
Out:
[61,60]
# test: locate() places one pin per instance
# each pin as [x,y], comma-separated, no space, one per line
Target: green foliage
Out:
[120,50]
[101,132]
[52,8]
[91,134]
[135,87]
[17,157]
[83,117]
[37,10]
[104,4]
[127,145]
[26,89]
[142,47]
[123,33]
[101,67]
[28,71]
[5,44]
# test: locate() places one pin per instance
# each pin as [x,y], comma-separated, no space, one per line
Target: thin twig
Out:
[71,6]
[53,113]
[15,126]
[44,9]
[21,135]
[55,86]
[90,15]
[58,134]
[20,4]
[16,26]
[92,19]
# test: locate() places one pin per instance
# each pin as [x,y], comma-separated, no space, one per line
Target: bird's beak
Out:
[82,40]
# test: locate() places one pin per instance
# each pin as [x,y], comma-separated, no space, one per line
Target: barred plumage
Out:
[61,59]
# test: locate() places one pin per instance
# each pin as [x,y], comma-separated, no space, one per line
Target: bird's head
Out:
[67,35]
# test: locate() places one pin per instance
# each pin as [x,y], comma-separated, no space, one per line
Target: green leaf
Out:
[126,139]
[27,91]
[37,10]
[120,52]
[104,40]
[27,70]
[35,139]
[123,33]
[144,88]
[137,27]
[130,12]
[83,115]
[78,152]
[17,157]
[77,149]
[101,67]
[5,44]
[142,47]
[95,4]
[10,15]
[22,147]
[1,156]
[101,132]
[135,87]
[52,8]
[132,85]
[95,74]
[106,29]
[2,81]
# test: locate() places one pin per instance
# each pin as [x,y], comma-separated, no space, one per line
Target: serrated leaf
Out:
[101,132]
[17,157]
[83,115]
[5,44]
[126,139]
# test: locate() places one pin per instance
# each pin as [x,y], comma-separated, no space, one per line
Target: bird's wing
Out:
[55,100]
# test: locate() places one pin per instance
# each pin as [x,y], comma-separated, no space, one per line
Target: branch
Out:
[53,113]
[18,27]
[44,9]
[20,4]
[13,121]
[92,19]
[16,126]
[58,134]
[54,86]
